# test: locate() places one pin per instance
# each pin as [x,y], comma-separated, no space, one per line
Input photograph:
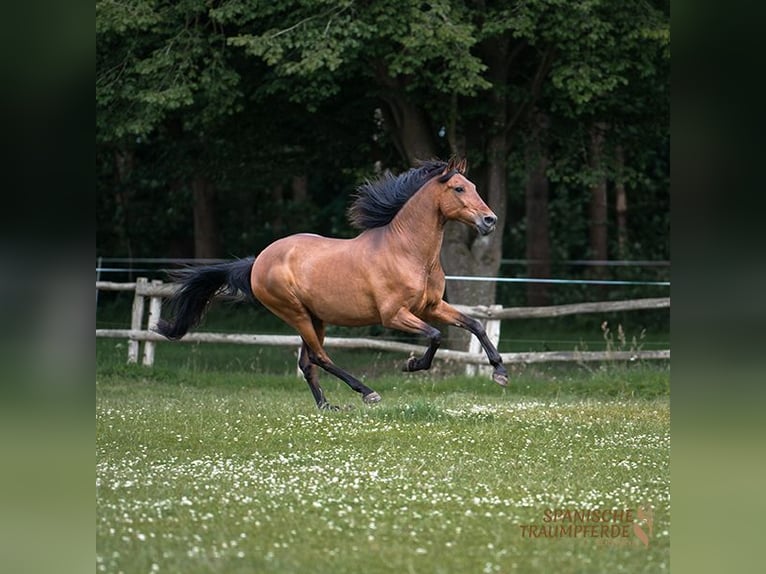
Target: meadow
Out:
[212,463]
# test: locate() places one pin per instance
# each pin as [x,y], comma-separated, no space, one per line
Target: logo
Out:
[645,520]
[617,526]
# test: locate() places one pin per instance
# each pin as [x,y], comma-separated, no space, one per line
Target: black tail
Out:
[198,286]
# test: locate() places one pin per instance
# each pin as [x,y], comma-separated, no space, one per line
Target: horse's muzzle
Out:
[486,224]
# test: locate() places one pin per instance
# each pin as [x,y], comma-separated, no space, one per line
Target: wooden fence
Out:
[491,317]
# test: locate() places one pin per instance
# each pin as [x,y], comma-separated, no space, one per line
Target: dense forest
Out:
[223,125]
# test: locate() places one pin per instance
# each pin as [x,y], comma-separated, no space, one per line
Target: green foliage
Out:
[248,95]
[157,58]
[605,50]
[320,43]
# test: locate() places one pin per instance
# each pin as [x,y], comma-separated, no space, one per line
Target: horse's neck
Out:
[418,228]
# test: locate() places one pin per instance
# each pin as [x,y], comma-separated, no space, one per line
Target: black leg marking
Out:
[312,378]
[424,363]
[500,376]
[368,395]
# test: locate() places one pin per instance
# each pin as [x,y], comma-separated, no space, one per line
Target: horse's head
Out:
[459,200]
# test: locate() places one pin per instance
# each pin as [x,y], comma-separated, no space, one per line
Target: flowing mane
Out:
[377,202]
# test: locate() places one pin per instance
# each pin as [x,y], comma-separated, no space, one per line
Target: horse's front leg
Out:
[405,320]
[445,313]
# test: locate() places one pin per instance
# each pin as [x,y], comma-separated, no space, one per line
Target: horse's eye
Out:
[459,189]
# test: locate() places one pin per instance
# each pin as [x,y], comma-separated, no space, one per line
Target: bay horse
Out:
[390,274]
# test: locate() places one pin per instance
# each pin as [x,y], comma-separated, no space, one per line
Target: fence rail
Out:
[491,316]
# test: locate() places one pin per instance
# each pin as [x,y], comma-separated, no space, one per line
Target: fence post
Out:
[492,327]
[99,263]
[136,319]
[155,309]
[298,371]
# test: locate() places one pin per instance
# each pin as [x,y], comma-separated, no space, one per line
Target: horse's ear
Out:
[455,164]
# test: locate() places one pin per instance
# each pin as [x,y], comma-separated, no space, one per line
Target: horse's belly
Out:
[343,318]
[339,300]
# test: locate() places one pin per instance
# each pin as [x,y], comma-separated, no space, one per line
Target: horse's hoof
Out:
[328,407]
[410,365]
[371,398]
[500,378]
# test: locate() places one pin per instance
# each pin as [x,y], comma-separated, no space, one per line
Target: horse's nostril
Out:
[490,219]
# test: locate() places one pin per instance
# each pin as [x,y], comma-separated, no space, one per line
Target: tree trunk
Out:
[409,128]
[598,201]
[206,237]
[538,248]
[465,252]
[621,205]
[123,162]
[278,200]
[300,188]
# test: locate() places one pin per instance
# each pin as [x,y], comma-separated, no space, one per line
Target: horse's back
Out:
[285,257]
[295,249]
[324,275]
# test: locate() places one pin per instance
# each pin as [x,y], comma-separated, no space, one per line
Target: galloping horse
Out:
[390,274]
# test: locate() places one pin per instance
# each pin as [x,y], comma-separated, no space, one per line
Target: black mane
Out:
[377,202]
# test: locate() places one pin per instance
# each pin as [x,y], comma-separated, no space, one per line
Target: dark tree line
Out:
[222,125]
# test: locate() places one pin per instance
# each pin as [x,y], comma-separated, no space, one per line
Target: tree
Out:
[439,69]
[537,191]
[609,87]
[232,101]
[163,71]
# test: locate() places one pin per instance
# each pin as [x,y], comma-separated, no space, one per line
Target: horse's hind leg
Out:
[311,375]
[312,332]
[321,358]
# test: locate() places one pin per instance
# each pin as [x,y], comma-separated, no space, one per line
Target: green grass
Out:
[208,463]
